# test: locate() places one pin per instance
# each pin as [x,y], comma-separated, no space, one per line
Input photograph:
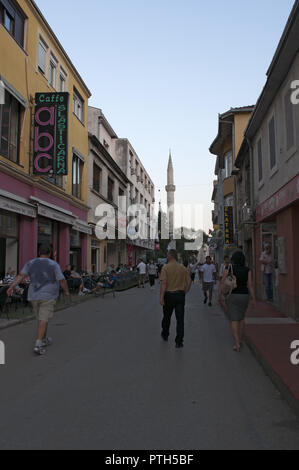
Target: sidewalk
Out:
[269,335]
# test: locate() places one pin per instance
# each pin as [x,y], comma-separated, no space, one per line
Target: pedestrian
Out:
[224,266]
[45,280]
[192,270]
[152,273]
[209,273]
[142,273]
[175,284]
[268,267]
[236,303]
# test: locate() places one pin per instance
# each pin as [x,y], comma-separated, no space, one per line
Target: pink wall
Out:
[83,251]
[64,245]
[27,240]
[12,185]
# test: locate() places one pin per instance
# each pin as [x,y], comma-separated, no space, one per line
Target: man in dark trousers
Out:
[175,284]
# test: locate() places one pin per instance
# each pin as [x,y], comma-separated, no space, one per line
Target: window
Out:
[42,56]
[77,176]
[10,128]
[228,159]
[13,19]
[56,179]
[62,81]
[121,192]
[97,175]
[289,121]
[272,143]
[260,159]
[110,189]
[78,106]
[52,72]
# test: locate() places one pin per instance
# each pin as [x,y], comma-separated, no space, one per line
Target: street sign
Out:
[51,134]
[228,225]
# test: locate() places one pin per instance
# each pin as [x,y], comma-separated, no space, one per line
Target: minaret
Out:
[170,189]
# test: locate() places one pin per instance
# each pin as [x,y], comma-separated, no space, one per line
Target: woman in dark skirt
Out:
[236,304]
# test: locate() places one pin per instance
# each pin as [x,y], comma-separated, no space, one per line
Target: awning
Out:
[12,203]
[82,227]
[11,89]
[50,211]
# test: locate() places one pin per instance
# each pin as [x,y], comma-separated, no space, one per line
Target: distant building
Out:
[231,127]
[129,179]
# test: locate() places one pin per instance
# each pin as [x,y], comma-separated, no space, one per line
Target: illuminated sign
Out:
[51,134]
[228,225]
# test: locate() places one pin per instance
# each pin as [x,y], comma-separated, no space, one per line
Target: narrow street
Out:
[110,382]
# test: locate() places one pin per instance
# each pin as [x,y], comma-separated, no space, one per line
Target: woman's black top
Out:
[241,273]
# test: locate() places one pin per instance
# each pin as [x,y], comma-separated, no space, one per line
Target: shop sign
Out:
[51,134]
[228,225]
[283,198]
[55,215]
[19,208]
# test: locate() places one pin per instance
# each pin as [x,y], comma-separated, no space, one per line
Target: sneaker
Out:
[39,351]
[81,293]
[47,342]
[179,345]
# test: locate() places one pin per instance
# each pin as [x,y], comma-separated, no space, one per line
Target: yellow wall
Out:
[228,186]
[19,68]
[241,121]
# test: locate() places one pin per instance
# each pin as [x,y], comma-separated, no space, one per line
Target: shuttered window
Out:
[97,178]
[272,143]
[13,19]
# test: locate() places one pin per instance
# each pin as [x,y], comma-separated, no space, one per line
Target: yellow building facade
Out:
[42,209]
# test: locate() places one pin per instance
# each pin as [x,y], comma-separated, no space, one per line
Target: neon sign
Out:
[51,134]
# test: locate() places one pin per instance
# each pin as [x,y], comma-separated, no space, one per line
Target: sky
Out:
[162,71]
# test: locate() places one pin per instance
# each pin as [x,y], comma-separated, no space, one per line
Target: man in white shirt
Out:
[208,271]
[142,273]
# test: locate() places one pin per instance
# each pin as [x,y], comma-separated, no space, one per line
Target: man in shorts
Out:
[142,273]
[46,279]
[209,272]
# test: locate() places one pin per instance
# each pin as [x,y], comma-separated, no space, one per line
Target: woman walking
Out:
[236,303]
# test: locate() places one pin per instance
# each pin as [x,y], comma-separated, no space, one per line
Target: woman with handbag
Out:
[236,287]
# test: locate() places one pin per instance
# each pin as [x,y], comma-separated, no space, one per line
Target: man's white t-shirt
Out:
[141,268]
[208,270]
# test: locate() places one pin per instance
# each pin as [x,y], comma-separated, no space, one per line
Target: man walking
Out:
[45,279]
[152,273]
[209,273]
[175,284]
[142,273]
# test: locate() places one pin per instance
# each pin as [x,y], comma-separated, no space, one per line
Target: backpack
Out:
[230,282]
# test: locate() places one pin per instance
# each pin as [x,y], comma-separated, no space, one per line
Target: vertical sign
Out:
[51,134]
[229,225]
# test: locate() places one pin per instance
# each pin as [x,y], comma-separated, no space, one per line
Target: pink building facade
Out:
[31,215]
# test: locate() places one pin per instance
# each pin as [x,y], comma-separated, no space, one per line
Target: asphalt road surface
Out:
[110,382]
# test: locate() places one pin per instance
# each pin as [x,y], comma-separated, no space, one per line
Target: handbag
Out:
[230,282]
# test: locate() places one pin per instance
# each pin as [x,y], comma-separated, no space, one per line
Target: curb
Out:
[284,391]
